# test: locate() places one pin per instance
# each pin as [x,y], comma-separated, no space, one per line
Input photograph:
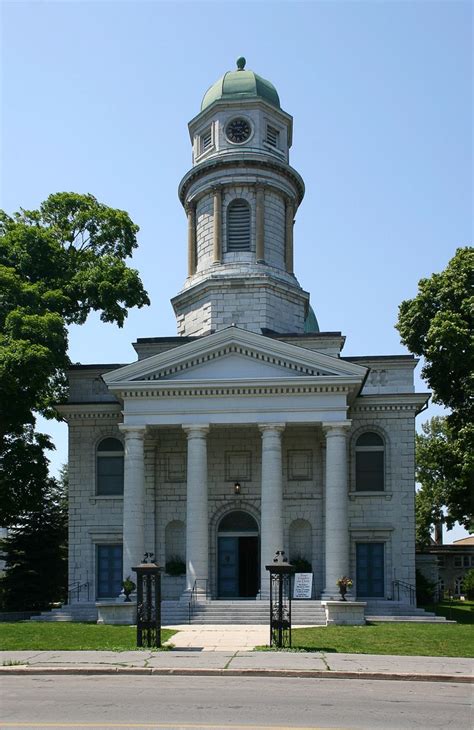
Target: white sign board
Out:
[303,585]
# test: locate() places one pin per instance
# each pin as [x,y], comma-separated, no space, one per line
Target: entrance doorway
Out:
[370,569]
[237,556]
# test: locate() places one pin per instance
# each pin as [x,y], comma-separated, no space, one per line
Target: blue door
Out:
[109,571]
[228,567]
[370,570]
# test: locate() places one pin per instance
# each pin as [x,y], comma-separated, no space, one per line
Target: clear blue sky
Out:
[96,97]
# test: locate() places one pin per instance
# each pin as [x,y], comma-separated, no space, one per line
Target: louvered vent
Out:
[238,226]
[273,136]
[206,140]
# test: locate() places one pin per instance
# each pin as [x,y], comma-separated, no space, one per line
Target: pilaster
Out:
[217,240]
[191,213]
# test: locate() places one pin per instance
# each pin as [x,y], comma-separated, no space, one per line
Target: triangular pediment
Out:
[234,354]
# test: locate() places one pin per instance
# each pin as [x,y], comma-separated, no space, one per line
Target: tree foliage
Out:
[442,469]
[36,553]
[437,324]
[57,264]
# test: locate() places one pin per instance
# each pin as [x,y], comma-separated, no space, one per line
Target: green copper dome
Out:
[311,325]
[240,84]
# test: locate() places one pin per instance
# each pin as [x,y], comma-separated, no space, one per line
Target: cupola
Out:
[241,196]
[239,85]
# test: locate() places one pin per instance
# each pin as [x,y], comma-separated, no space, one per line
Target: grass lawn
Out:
[385,638]
[460,611]
[66,636]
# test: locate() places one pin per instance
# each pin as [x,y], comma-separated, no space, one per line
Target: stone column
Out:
[133,498]
[191,213]
[271,511]
[260,217]
[289,220]
[336,524]
[197,527]
[217,241]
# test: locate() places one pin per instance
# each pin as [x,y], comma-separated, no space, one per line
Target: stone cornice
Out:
[84,411]
[219,389]
[415,402]
[238,159]
[290,289]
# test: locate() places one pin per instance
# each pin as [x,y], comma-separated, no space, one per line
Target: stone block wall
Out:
[234,454]
[388,516]
[93,519]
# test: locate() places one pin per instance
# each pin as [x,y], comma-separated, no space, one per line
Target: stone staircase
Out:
[80,612]
[310,613]
[255,612]
[396,611]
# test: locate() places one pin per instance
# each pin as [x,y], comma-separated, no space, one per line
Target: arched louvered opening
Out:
[238,226]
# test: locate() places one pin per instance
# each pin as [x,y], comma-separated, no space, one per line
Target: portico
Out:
[313,393]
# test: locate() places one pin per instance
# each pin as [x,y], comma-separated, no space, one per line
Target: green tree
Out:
[468,584]
[437,324]
[57,264]
[441,468]
[36,553]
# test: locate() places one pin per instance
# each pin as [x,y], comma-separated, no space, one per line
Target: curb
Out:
[183,672]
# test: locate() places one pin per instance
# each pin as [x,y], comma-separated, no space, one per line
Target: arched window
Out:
[370,466]
[238,226]
[110,467]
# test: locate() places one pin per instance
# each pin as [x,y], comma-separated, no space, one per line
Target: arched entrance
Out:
[237,556]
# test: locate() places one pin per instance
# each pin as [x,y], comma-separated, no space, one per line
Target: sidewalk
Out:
[226,650]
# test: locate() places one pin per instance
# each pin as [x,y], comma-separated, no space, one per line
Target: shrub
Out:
[301,564]
[175,566]
[425,589]
[468,584]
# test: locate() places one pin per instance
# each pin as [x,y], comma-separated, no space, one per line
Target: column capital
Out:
[196,431]
[336,428]
[133,432]
[272,427]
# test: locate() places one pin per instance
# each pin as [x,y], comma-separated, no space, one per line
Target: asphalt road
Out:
[202,703]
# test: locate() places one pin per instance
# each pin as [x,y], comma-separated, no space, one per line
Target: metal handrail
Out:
[77,588]
[407,588]
[193,596]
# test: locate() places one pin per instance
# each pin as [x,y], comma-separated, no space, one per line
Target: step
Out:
[410,619]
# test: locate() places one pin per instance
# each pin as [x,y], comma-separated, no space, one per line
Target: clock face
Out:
[238,131]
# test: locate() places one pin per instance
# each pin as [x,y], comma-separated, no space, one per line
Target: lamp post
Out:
[280,600]
[148,602]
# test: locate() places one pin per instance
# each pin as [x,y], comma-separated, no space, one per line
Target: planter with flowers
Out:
[344,585]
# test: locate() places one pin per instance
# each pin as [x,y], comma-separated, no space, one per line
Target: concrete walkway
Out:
[219,637]
[227,650]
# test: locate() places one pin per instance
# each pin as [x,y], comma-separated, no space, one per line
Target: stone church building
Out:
[248,432]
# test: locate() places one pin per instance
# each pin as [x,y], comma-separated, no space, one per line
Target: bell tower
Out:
[241,196]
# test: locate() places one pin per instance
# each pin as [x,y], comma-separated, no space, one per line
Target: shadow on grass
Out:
[302,649]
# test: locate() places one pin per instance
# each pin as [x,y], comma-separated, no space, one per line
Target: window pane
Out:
[369,471]
[110,475]
[369,439]
[110,445]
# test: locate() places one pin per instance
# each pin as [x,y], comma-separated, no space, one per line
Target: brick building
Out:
[249,431]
